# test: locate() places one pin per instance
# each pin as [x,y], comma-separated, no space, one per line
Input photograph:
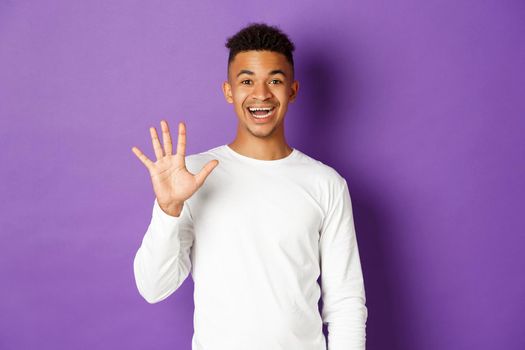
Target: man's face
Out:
[260,79]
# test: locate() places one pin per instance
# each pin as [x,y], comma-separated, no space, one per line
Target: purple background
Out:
[418,104]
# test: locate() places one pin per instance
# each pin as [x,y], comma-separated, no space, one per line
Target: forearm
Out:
[162,262]
[344,303]
[347,324]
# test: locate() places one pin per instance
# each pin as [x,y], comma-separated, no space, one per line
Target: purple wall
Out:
[418,104]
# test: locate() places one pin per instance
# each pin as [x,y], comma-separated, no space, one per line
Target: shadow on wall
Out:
[327,95]
[330,103]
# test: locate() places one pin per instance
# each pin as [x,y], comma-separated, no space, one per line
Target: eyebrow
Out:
[273,72]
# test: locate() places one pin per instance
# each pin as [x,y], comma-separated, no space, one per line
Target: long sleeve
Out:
[163,261]
[342,283]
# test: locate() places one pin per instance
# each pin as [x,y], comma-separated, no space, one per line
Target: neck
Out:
[261,149]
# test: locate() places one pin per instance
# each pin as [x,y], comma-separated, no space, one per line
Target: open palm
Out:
[172,182]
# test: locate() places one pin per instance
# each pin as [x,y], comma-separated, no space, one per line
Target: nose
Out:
[261,91]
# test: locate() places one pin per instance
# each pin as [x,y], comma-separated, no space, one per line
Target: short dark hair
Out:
[260,37]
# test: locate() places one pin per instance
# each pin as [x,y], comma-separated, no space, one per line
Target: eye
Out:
[246,82]
[276,81]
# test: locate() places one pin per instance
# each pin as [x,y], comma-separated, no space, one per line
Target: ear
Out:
[294,89]
[227,91]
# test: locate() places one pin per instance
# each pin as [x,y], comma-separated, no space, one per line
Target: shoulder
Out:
[325,175]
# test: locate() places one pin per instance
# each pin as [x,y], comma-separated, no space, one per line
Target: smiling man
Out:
[255,221]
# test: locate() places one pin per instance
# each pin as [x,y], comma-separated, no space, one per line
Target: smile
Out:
[261,112]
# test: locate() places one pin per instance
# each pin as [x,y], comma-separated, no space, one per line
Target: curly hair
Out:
[260,37]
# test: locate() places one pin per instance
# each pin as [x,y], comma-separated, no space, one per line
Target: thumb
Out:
[205,171]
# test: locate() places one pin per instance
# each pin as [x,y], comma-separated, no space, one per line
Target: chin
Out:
[261,134]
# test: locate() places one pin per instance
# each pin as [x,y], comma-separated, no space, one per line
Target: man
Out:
[257,232]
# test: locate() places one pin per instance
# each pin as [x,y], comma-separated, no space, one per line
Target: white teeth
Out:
[262,116]
[268,110]
[253,109]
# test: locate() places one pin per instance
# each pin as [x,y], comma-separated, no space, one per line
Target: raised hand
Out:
[172,182]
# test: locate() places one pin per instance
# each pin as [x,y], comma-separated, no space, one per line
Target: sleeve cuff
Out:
[166,221]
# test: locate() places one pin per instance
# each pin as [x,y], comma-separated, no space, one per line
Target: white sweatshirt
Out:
[256,237]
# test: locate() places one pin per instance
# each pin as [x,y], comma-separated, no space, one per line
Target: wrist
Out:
[172,209]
